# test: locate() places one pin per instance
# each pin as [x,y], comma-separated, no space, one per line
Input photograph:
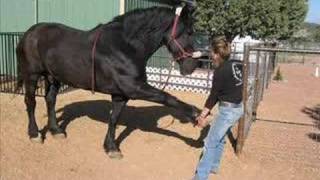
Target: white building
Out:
[238,46]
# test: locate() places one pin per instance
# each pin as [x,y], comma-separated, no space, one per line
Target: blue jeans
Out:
[215,140]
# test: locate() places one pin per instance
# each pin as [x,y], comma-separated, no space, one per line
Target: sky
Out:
[313,15]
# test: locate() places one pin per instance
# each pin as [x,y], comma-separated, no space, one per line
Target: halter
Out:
[183,52]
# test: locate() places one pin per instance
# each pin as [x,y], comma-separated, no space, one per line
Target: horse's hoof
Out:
[165,123]
[59,136]
[58,133]
[37,139]
[115,155]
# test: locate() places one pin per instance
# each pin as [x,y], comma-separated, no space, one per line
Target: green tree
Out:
[218,17]
[265,19]
[293,13]
[261,19]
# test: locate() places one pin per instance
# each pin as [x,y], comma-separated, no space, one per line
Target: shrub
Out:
[278,76]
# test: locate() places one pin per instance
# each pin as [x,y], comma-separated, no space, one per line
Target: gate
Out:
[259,64]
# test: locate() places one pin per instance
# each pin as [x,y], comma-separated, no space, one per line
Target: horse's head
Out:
[180,39]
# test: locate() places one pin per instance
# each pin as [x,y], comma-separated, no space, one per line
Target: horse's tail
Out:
[20,58]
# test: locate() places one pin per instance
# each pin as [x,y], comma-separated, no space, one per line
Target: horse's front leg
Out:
[149,93]
[112,149]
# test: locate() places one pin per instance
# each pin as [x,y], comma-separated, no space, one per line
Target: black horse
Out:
[110,59]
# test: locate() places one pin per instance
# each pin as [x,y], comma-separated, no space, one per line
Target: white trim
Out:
[122,7]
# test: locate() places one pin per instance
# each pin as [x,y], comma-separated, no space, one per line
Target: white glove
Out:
[196,54]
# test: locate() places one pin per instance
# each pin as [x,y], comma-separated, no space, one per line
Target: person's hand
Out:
[202,121]
[197,54]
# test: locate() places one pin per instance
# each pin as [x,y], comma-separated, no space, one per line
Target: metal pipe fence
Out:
[258,72]
[8,66]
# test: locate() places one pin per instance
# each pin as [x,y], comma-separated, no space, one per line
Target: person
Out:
[227,92]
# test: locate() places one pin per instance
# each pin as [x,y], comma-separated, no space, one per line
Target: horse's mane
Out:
[131,15]
[144,21]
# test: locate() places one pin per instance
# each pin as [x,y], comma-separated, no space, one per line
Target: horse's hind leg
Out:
[52,89]
[30,101]
[112,149]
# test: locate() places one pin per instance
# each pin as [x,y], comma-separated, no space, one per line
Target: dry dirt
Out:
[273,150]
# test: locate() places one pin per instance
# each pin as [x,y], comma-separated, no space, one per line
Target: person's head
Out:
[221,50]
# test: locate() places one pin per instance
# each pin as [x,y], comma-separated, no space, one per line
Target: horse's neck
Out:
[153,42]
[148,37]
[144,30]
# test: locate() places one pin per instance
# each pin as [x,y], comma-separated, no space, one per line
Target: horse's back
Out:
[50,33]
[49,47]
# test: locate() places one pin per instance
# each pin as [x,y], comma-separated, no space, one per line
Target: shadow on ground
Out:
[142,118]
[314,113]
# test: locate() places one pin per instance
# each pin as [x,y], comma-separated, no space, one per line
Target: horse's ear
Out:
[189,7]
[187,13]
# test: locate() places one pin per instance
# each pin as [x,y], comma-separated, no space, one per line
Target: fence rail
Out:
[257,75]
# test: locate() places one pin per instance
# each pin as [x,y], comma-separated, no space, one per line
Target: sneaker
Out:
[214,171]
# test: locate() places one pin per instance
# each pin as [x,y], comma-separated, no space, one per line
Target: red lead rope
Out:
[93,53]
[174,29]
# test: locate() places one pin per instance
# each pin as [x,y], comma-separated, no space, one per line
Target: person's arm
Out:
[211,101]
[209,104]
[213,97]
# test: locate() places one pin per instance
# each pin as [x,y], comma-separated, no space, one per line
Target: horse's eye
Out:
[190,31]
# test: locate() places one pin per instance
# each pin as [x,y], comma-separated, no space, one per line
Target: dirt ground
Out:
[283,142]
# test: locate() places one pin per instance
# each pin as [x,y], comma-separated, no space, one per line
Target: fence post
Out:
[256,86]
[265,73]
[267,69]
[241,124]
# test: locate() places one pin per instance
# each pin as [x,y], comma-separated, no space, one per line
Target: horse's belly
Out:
[80,75]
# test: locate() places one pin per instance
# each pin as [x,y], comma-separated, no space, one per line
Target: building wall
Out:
[19,15]
[16,15]
[83,14]
[134,4]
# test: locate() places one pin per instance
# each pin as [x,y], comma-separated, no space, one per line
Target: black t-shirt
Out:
[226,84]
